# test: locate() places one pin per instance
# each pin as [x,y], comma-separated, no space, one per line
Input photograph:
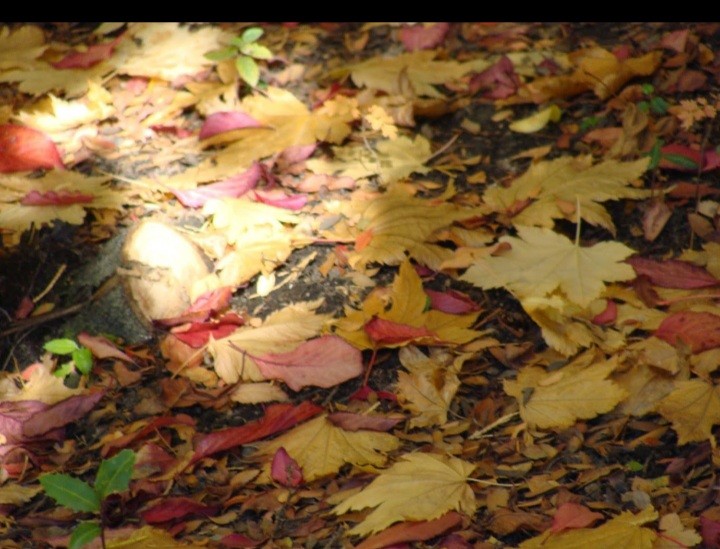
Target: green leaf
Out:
[634,466]
[83,534]
[64,370]
[252,34]
[61,346]
[70,492]
[256,51]
[83,360]
[658,105]
[681,160]
[248,70]
[655,154]
[221,55]
[114,474]
[647,88]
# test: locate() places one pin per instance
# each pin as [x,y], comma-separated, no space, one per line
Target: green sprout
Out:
[81,357]
[246,51]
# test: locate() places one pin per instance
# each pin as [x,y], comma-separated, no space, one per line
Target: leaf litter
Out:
[435,315]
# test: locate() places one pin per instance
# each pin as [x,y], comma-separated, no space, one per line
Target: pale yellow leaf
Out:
[20,48]
[15,494]
[625,530]
[321,448]
[147,537]
[542,261]
[557,399]
[555,187]
[257,393]
[282,331]
[42,386]
[397,224]
[676,534]
[536,122]
[380,120]
[418,68]
[417,487]
[391,160]
[693,408]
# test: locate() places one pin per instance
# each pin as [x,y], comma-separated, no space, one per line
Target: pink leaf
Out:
[277,418]
[365,392]
[608,316]
[86,59]
[673,273]
[452,302]
[14,414]
[285,470]
[296,153]
[24,149]
[412,531]
[387,332]
[699,330]
[176,508]
[280,200]
[675,40]
[206,305]
[422,37]
[221,122]
[233,187]
[198,334]
[356,422]
[323,362]
[710,160]
[101,347]
[60,414]
[573,515]
[52,198]
[499,81]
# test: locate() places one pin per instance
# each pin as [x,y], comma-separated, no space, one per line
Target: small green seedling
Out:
[656,155]
[245,50]
[81,357]
[653,103]
[112,476]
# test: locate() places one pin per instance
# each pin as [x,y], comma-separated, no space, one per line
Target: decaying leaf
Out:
[321,448]
[417,487]
[557,399]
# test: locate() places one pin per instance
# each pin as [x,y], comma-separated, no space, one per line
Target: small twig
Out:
[51,284]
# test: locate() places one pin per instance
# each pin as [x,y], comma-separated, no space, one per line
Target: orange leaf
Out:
[699,330]
[412,531]
[25,149]
[387,332]
[363,239]
[573,515]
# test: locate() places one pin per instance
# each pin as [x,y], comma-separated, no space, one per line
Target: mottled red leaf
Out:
[52,198]
[285,470]
[221,122]
[88,58]
[25,149]
[356,422]
[197,334]
[699,330]
[176,508]
[387,332]
[452,302]
[322,362]
[608,316]
[232,187]
[277,418]
[279,199]
[673,273]
[423,37]
[412,531]
[573,515]
[499,81]
[153,426]
[102,347]
[60,414]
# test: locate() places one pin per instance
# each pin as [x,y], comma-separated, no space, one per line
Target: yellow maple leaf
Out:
[20,48]
[282,331]
[675,533]
[17,218]
[693,408]
[557,188]
[419,68]
[542,261]
[321,448]
[42,385]
[557,399]
[391,160]
[380,120]
[286,122]
[407,306]
[418,487]
[397,224]
[625,530]
[430,385]
[45,78]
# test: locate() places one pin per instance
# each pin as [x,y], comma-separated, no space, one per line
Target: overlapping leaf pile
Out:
[540,435]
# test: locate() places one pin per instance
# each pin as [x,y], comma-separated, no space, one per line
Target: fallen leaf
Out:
[542,261]
[323,362]
[693,408]
[357,422]
[451,302]
[674,532]
[557,399]
[321,449]
[285,470]
[417,487]
[14,494]
[673,273]
[232,187]
[536,122]
[423,37]
[60,414]
[173,508]
[413,531]
[225,121]
[498,81]
[25,149]
[573,515]
[88,58]
[699,330]
[101,347]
